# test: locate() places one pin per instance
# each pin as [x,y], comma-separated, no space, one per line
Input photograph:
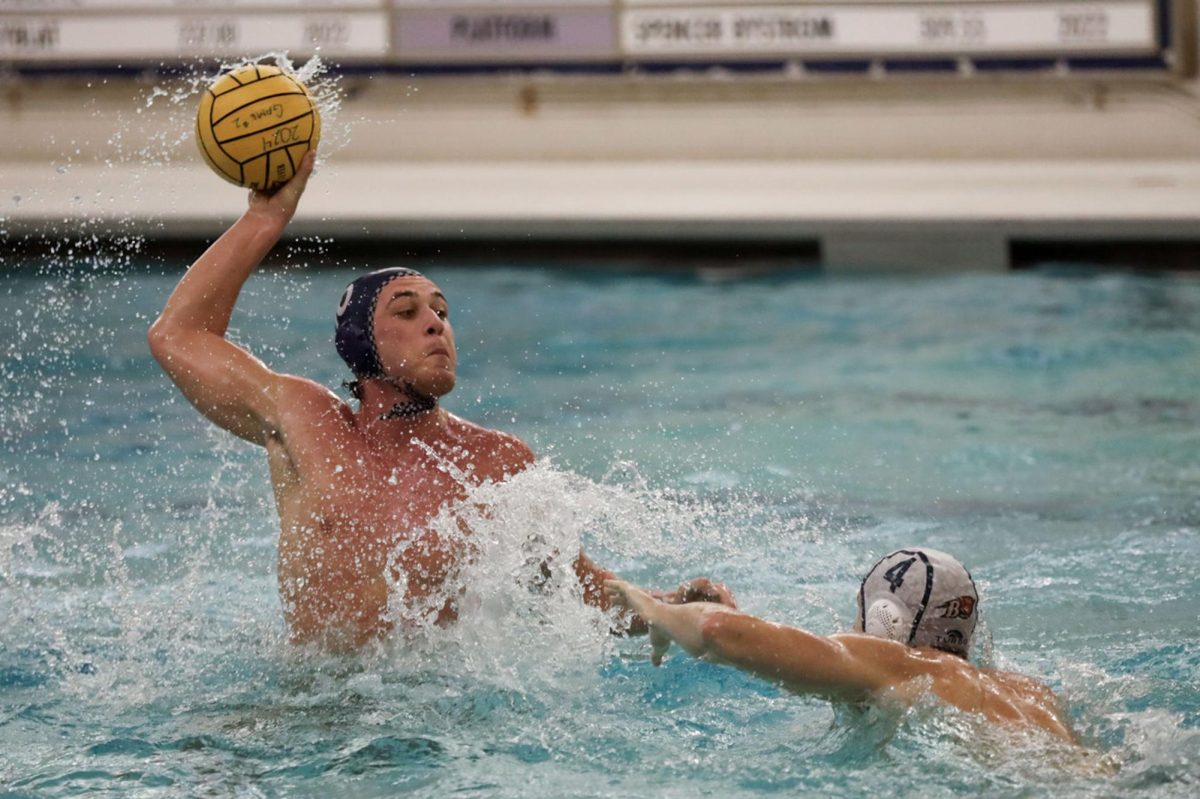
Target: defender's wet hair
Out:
[920,597]
[355,335]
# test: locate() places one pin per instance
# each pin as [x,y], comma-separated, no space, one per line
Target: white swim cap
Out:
[920,597]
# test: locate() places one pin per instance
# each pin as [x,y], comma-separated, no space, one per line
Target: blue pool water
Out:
[779,433]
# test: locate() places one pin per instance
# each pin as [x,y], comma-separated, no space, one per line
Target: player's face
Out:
[413,335]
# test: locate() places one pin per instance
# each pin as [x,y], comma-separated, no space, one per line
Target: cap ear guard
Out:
[886,619]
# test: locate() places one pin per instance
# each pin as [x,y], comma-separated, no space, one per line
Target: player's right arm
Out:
[803,662]
[228,385]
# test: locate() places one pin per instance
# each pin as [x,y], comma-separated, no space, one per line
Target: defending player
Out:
[917,613]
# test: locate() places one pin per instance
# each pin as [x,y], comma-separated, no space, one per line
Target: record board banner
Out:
[497,5]
[185,6]
[1118,26]
[611,34]
[512,34]
[126,38]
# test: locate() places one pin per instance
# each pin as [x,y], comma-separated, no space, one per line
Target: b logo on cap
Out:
[958,608]
[345,303]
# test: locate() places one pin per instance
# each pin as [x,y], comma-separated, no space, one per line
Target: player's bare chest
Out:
[404,490]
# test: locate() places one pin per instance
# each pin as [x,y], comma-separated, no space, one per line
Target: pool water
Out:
[780,433]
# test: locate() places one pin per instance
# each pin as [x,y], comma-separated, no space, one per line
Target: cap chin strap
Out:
[417,403]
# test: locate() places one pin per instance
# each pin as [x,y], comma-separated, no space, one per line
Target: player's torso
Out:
[356,531]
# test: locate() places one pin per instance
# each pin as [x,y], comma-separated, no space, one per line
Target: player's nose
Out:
[434,324]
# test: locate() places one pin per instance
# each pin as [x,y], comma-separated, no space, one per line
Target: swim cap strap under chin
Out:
[406,410]
[417,403]
[355,332]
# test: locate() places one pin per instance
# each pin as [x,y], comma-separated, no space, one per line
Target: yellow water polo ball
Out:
[254,125]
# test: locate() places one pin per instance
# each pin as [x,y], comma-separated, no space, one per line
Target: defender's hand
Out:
[660,642]
[631,598]
[646,607]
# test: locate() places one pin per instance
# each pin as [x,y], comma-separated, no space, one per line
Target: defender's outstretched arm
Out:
[594,581]
[801,661]
[227,384]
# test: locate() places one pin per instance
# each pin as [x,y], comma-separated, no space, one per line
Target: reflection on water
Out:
[778,434]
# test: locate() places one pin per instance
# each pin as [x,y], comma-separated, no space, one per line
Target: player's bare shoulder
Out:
[305,404]
[495,454]
[311,424]
[1024,687]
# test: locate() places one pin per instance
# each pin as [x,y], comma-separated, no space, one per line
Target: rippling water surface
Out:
[778,433]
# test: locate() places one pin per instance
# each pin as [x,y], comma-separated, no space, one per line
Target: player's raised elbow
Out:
[172,347]
[160,340]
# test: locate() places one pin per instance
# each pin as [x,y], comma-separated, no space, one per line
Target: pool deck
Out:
[943,214]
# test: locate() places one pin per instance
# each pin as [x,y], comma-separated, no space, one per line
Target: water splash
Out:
[518,596]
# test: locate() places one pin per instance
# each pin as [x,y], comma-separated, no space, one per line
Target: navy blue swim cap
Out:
[355,337]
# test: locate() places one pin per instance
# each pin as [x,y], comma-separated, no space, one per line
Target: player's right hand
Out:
[279,205]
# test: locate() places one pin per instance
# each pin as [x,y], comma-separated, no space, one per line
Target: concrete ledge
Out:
[901,214]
